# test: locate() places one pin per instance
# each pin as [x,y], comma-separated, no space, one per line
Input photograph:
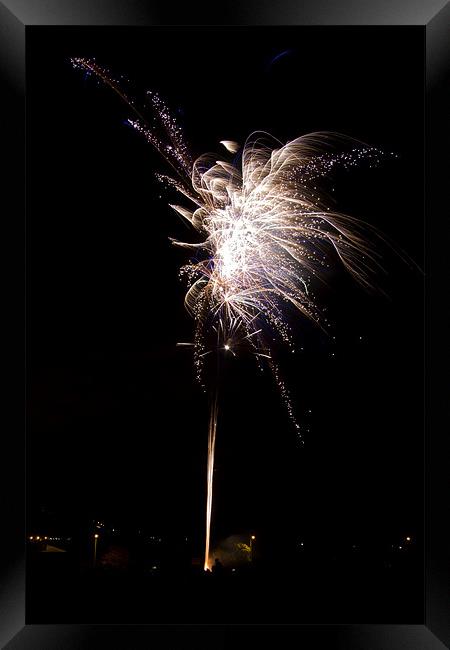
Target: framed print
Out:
[230,231]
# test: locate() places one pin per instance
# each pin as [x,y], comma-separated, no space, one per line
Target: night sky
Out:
[117,426]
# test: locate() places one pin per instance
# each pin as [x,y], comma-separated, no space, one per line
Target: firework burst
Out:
[267,235]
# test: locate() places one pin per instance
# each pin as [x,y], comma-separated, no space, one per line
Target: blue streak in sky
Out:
[278,56]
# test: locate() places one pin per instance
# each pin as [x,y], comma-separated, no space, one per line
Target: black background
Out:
[116,425]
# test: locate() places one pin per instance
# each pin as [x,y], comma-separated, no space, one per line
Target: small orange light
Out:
[253,537]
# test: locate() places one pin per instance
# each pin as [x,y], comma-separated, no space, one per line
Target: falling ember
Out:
[268,235]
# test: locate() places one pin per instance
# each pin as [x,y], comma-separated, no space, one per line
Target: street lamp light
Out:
[252,539]
[95,548]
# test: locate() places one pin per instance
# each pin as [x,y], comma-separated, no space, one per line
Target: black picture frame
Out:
[433,16]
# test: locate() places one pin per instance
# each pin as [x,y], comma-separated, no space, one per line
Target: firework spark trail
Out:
[268,235]
[210,476]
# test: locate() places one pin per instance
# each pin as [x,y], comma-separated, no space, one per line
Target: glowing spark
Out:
[230,146]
